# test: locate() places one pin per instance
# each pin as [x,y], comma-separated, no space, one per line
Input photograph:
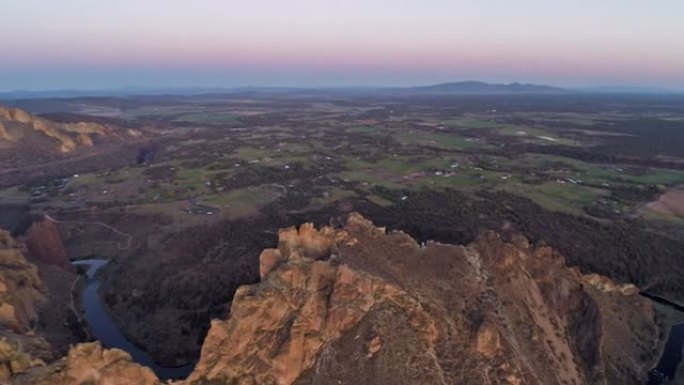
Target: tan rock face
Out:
[6,240]
[66,142]
[133,133]
[14,114]
[68,135]
[374,346]
[4,135]
[305,242]
[278,328]
[19,354]
[90,364]
[21,287]
[85,140]
[269,260]
[488,341]
[607,285]
[21,292]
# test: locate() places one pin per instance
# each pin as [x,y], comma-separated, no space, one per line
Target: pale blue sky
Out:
[48,44]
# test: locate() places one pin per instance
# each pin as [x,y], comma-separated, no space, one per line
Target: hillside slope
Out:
[17,125]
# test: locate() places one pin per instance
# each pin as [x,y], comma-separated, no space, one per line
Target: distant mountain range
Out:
[476,87]
[450,88]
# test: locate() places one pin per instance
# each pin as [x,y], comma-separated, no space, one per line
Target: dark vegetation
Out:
[195,275]
[626,250]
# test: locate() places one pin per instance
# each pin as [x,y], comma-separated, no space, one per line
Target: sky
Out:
[100,44]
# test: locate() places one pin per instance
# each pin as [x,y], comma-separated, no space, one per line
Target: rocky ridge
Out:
[15,124]
[24,355]
[90,364]
[356,305]
[21,288]
[21,292]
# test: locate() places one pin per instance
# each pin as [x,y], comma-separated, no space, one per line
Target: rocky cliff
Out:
[20,287]
[21,292]
[27,358]
[17,125]
[45,243]
[90,364]
[354,305]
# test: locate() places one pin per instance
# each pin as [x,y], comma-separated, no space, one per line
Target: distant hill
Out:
[114,92]
[476,87]
[471,87]
[465,87]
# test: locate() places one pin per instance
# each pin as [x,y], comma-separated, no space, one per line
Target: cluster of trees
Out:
[166,298]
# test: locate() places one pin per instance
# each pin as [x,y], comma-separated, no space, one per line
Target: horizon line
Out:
[597,88]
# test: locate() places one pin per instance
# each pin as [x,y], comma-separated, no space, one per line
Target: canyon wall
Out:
[356,305]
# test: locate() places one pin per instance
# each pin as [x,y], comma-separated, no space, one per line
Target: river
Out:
[665,371]
[671,358]
[106,331]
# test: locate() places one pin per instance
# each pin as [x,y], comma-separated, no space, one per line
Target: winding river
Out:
[106,331]
[672,355]
[671,358]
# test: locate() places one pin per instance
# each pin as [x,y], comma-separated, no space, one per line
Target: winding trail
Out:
[129,237]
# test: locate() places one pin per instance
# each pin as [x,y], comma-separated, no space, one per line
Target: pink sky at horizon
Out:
[378,42]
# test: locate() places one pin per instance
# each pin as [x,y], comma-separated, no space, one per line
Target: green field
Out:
[208,118]
[565,197]
[242,202]
[438,140]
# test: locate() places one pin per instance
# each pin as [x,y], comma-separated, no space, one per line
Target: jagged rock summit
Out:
[357,305]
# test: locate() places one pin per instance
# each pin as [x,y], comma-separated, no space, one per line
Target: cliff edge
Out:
[357,305]
[17,125]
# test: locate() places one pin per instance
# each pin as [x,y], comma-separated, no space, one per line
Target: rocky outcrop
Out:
[15,122]
[305,243]
[355,305]
[278,330]
[4,135]
[14,114]
[54,131]
[20,287]
[90,364]
[21,292]
[45,243]
[607,285]
[20,353]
